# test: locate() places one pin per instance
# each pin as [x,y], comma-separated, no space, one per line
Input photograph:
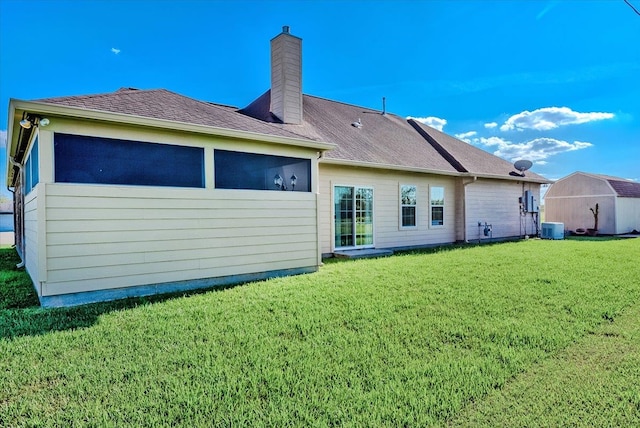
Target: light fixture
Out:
[43,122]
[279,182]
[26,123]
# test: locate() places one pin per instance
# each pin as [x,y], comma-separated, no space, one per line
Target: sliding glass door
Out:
[353,213]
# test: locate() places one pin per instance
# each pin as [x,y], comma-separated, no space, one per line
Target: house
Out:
[138,192]
[570,200]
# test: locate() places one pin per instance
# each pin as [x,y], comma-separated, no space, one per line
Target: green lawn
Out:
[532,333]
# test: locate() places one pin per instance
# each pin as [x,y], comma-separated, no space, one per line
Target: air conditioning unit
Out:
[552,230]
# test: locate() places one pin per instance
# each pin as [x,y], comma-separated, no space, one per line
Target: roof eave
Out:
[360,164]
[67,111]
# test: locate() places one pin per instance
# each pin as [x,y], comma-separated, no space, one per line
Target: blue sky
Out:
[556,82]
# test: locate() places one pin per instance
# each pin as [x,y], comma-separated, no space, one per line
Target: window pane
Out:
[437,216]
[408,195]
[408,216]
[82,159]
[35,175]
[27,176]
[437,206]
[238,170]
[437,195]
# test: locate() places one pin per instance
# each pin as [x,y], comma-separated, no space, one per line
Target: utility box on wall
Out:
[552,230]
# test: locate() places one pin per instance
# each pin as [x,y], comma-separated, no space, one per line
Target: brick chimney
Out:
[286,77]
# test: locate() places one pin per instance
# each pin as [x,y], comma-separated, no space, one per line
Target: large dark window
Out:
[82,159]
[239,170]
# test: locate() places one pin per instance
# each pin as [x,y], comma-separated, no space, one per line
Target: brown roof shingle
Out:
[167,105]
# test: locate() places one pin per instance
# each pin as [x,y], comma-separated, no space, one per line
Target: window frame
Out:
[70,150]
[433,206]
[403,205]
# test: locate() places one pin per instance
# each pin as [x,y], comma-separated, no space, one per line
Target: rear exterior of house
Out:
[114,210]
[570,200]
[140,192]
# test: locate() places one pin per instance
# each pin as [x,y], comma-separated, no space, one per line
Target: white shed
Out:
[570,199]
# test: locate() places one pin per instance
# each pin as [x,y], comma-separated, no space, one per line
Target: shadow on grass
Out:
[21,314]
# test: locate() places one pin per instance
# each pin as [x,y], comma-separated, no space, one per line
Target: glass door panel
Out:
[353,208]
[343,200]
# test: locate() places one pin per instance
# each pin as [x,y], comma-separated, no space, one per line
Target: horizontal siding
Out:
[31,235]
[386,185]
[102,237]
[497,203]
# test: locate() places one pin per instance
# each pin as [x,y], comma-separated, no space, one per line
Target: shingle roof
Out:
[626,188]
[386,139]
[471,158]
[383,139]
[167,105]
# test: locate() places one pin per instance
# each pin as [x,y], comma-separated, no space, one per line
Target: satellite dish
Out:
[522,165]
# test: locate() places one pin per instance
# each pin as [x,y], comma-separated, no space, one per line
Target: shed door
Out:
[353,214]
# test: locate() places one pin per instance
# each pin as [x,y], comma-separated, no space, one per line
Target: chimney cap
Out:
[285,29]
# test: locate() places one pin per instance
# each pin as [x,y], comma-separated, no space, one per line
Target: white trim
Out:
[333,223]
[444,205]
[401,205]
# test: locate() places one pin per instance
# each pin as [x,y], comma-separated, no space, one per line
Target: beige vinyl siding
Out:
[386,184]
[31,225]
[104,237]
[496,203]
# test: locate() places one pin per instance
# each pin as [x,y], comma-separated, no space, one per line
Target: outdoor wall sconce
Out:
[28,123]
[280,184]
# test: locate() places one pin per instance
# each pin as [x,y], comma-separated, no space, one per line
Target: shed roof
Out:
[624,188]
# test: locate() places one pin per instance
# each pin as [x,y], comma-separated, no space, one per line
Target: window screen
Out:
[82,159]
[239,170]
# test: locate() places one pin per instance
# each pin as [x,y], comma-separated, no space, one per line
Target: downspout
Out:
[21,172]
[464,206]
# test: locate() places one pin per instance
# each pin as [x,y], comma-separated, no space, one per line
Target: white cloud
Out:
[434,122]
[3,139]
[536,150]
[544,119]
[465,136]
[490,125]
[115,51]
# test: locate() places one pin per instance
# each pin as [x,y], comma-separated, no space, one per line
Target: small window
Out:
[408,205]
[437,206]
[31,173]
[253,171]
[82,159]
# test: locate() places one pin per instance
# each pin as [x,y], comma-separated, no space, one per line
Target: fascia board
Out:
[359,164]
[56,109]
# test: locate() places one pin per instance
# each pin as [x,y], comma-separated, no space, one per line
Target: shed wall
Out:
[579,184]
[627,215]
[574,212]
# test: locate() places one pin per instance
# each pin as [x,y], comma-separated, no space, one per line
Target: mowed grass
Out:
[533,333]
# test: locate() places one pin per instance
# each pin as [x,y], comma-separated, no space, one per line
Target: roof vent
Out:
[357,124]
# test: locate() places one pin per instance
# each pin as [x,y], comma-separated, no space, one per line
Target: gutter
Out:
[464,207]
[21,172]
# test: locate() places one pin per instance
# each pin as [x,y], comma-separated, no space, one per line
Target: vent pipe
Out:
[384,105]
